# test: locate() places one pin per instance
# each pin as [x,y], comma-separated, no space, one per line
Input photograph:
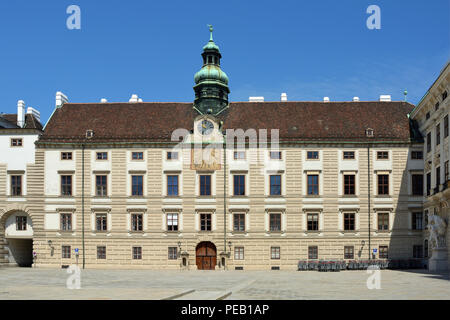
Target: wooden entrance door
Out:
[206,256]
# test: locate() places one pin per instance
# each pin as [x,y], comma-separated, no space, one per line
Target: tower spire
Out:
[211,32]
[211,83]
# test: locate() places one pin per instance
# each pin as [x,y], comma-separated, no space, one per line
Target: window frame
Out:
[205,186]
[416,189]
[383,252]
[137,188]
[65,221]
[349,221]
[382,155]
[101,222]
[205,222]
[383,217]
[416,152]
[414,221]
[273,157]
[312,155]
[66,156]
[383,186]
[348,158]
[274,184]
[67,186]
[275,253]
[349,186]
[313,222]
[349,254]
[101,254]
[313,252]
[101,190]
[172,253]
[16,142]
[239,186]
[172,155]
[101,154]
[173,185]
[136,252]
[239,222]
[312,186]
[16,189]
[275,222]
[172,223]
[239,253]
[21,223]
[137,222]
[137,153]
[66,252]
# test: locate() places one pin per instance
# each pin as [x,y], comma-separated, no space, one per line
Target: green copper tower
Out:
[211,83]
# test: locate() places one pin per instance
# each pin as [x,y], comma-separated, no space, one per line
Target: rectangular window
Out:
[66,185]
[172,222]
[312,155]
[446,171]
[438,176]
[173,253]
[313,252]
[349,155]
[136,222]
[16,142]
[101,186]
[446,126]
[382,155]
[417,221]
[275,185]
[239,185]
[417,184]
[313,221]
[313,184]
[66,221]
[205,222]
[349,221]
[65,252]
[172,155]
[172,185]
[428,183]
[383,221]
[16,185]
[137,185]
[383,252]
[383,184]
[239,222]
[21,223]
[349,184]
[349,252]
[275,155]
[101,222]
[417,155]
[137,156]
[102,155]
[66,155]
[238,253]
[429,142]
[205,185]
[275,222]
[275,252]
[438,134]
[418,251]
[137,253]
[101,252]
[239,155]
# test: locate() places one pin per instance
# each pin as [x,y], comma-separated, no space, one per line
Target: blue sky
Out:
[309,49]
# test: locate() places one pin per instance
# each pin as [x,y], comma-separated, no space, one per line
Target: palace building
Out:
[431,115]
[163,185]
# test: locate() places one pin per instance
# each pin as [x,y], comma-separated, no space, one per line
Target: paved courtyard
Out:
[27,283]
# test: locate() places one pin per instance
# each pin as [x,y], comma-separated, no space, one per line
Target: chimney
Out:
[103,100]
[256,99]
[283,96]
[35,113]
[355,98]
[385,97]
[326,99]
[134,98]
[20,113]
[61,98]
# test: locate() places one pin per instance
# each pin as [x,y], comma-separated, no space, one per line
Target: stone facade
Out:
[432,114]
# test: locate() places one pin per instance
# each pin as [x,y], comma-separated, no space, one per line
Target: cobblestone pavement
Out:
[27,283]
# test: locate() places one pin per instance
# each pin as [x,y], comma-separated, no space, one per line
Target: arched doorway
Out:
[17,233]
[206,256]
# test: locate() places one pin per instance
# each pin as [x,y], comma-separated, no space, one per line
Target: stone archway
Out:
[16,238]
[206,256]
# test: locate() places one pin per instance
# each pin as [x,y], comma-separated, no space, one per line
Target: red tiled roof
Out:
[152,121]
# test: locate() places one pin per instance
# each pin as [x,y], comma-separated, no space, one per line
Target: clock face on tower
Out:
[205,127]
